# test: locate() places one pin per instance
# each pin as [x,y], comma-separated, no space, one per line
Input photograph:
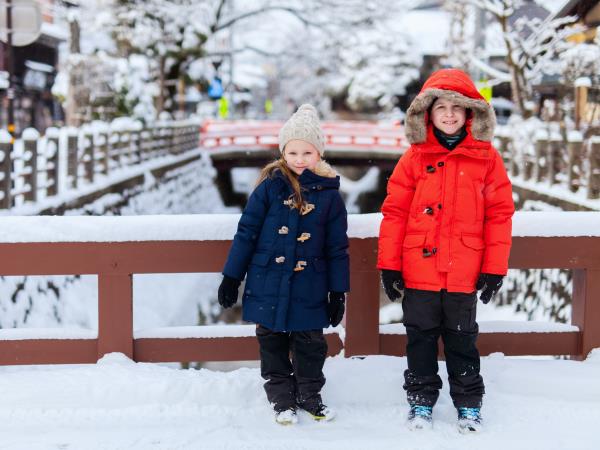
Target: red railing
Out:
[115,263]
[346,135]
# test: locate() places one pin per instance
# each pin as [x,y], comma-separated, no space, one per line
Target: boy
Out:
[446,231]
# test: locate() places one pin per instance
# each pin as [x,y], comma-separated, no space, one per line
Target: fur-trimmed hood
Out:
[456,86]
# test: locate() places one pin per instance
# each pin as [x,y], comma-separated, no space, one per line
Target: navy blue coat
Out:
[292,260]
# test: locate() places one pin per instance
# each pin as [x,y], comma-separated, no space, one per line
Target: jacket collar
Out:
[324,176]
[468,147]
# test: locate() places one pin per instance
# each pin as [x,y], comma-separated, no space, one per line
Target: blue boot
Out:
[420,417]
[469,420]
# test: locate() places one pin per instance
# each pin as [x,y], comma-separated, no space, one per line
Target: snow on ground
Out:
[118,404]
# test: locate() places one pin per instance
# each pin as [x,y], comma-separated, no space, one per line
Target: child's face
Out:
[300,155]
[448,117]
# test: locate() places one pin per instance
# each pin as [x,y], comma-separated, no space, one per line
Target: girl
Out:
[292,244]
[446,231]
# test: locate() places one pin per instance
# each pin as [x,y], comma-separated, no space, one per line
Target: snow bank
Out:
[200,227]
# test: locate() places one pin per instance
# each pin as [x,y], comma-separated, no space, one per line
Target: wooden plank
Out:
[115,314]
[208,349]
[362,305]
[48,351]
[511,344]
[586,308]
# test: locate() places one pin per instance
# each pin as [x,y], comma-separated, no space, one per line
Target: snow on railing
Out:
[35,167]
[222,227]
[114,249]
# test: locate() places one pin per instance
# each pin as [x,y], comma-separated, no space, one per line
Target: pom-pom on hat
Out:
[304,125]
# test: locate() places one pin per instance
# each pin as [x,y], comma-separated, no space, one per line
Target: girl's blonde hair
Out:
[281,165]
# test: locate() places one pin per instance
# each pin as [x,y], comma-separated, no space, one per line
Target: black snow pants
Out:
[451,315]
[297,381]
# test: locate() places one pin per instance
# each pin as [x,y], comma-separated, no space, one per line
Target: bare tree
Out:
[532,46]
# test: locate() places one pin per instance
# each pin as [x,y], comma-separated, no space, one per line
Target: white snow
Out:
[118,404]
[13,334]
[203,227]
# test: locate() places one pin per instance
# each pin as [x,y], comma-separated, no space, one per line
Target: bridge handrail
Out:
[551,161]
[30,167]
[239,133]
[115,263]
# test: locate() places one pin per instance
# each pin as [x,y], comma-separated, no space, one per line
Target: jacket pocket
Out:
[472,241]
[257,275]
[414,240]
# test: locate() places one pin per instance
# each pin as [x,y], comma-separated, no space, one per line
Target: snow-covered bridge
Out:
[349,144]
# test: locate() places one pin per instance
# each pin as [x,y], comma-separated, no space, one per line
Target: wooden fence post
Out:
[586,307]
[574,150]
[136,146]
[101,141]
[5,169]
[541,159]
[52,160]
[594,169]
[72,157]
[555,159]
[89,156]
[362,315]
[115,314]
[30,153]
[146,144]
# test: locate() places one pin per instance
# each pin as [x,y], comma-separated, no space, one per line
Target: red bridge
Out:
[245,143]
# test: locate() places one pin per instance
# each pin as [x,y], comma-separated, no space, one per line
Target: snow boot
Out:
[286,417]
[469,420]
[318,411]
[420,417]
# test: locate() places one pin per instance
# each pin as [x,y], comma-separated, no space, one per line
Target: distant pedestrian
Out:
[292,246]
[446,231]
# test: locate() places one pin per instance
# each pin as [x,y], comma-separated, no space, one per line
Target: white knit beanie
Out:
[305,126]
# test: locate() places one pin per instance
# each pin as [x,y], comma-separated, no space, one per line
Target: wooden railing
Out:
[340,135]
[115,263]
[30,167]
[573,163]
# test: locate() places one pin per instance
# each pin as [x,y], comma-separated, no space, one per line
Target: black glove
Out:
[489,284]
[336,307]
[228,291]
[393,284]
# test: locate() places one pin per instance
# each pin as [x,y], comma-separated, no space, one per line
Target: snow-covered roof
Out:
[55,31]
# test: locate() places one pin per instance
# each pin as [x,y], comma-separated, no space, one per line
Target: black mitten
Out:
[393,284]
[228,291]
[489,284]
[336,307]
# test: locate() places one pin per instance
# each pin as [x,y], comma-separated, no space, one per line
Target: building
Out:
[35,68]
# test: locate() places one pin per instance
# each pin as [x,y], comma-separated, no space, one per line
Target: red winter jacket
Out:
[448,214]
